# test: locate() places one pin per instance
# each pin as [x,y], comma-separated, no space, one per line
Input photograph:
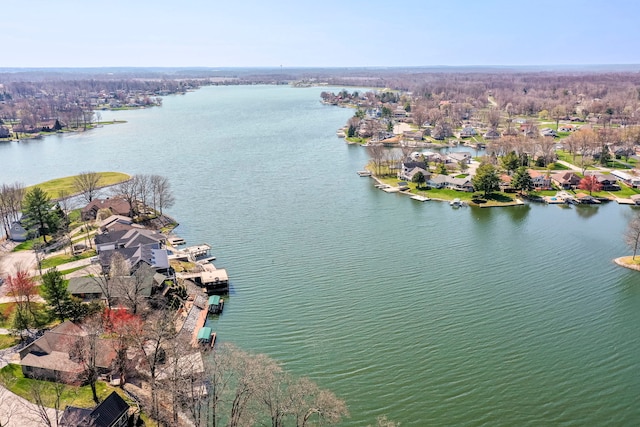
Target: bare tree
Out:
[558,113]
[632,234]
[376,152]
[493,118]
[11,197]
[144,189]
[162,196]
[159,330]
[419,113]
[129,191]
[135,289]
[87,184]
[8,404]
[47,401]
[309,401]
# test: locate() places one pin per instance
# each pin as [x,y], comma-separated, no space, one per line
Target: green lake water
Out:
[430,315]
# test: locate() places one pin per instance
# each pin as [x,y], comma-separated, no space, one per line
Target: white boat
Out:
[456,203]
[364,173]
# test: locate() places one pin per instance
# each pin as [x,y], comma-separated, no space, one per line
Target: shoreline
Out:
[620,261]
[516,202]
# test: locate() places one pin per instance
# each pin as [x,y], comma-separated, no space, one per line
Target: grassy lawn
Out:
[7,311]
[7,341]
[54,186]
[57,260]
[356,140]
[71,270]
[77,396]
[28,245]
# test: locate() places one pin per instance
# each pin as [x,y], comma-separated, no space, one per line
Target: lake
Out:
[430,315]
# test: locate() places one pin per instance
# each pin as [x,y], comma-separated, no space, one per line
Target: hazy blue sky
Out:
[335,33]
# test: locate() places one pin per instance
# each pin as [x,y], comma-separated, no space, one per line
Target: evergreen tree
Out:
[521,180]
[38,213]
[54,291]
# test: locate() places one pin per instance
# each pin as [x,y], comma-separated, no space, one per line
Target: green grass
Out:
[7,311]
[55,186]
[57,260]
[356,140]
[71,395]
[7,341]
[28,245]
[71,270]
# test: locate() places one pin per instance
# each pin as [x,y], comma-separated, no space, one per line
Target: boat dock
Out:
[420,198]
[176,241]
[364,173]
[206,337]
[215,304]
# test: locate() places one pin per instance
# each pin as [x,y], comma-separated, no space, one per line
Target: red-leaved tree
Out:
[590,183]
[123,327]
[22,287]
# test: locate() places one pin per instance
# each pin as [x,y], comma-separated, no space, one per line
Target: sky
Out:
[323,33]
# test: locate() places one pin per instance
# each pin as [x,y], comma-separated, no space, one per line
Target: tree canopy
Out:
[39,213]
[54,291]
[521,180]
[590,183]
[486,179]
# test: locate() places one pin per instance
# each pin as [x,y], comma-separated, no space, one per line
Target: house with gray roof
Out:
[111,412]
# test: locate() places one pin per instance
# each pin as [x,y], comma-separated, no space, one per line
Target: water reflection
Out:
[586,211]
[518,213]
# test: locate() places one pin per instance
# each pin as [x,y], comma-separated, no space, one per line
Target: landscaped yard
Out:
[57,260]
[7,312]
[15,381]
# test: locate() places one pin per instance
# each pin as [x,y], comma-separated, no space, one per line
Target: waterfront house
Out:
[408,165]
[111,412]
[446,181]
[150,254]
[408,176]
[412,135]
[56,355]
[115,206]
[628,179]
[461,184]
[117,223]
[129,239]
[457,157]
[608,182]
[505,182]
[468,132]
[540,180]
[565,180]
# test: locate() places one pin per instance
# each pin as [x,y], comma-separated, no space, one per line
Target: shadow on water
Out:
[484,216]
[586,211]
[518,213]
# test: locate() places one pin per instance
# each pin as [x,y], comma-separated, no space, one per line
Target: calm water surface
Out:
[432,316]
